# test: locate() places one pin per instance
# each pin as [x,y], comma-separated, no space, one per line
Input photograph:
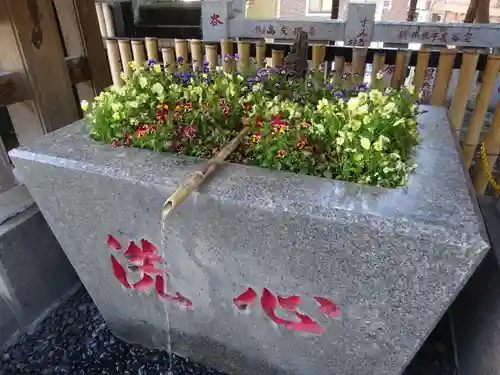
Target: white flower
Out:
[84,105]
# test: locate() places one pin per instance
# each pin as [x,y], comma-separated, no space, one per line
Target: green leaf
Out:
[365,143]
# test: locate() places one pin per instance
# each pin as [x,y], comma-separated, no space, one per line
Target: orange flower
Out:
[280,154]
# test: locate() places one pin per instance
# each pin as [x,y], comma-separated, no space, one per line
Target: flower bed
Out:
[339,130]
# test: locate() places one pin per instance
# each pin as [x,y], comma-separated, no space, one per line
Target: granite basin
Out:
[391,260]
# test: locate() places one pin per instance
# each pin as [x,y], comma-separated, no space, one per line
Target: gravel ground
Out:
[74,339]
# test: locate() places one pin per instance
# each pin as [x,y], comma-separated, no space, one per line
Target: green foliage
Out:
[337,130]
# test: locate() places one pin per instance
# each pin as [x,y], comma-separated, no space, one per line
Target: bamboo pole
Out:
[318,55]
[260,53]
[152,48]
[421,69]
[100,19]
[471,140]
[125,55]
[243,55]
[181,53]
[196,54]
[114,61]
[358,64]
[444,70]
[277,57]
[377,66]
[339,63]
[168,57]
[212,55]
[138,52]
[398,76]
[199,176]
[108,20]
[460,98]
[227,55]
[492,145]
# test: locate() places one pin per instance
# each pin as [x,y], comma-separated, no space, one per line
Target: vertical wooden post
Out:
[138,52]
[492,145]
[181,52]
[92,44]
[318,55]
[125,55]
[114,61]
[277,57]
[260,53]
[244,55]
[377,66]
[359,63]
[100,18]
[339,63]
[469,144]
[227,55]
[458,104]
[108,20]
[212,55]
[168,57]
[196,54]
[421,69]
[152,48]
[445,68]
[398,76]
[32,46]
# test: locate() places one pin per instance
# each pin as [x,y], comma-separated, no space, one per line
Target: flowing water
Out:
[167,314]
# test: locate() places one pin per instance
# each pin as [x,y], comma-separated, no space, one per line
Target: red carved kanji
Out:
[269,304]
[147,261]
[327,307]
[245,299]
[215,20]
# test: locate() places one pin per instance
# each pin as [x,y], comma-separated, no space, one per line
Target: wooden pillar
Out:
[31,46]
[460,98]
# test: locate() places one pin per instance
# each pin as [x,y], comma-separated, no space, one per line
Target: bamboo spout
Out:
[198,177]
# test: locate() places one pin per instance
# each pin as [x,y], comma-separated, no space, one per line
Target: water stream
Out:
[167,313]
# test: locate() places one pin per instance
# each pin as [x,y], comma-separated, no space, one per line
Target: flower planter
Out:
[266,272]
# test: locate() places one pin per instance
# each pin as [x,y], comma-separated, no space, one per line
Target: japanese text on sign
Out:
[282,30]
[421,34]
[360,38]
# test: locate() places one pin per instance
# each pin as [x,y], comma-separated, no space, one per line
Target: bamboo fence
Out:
[122,51]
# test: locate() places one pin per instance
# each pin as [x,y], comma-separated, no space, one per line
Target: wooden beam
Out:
[13,88]
[93,46]
[29,32]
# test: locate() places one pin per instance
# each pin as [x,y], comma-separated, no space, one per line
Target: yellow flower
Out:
[84,105]
[380,75]
[157,68]
[116,116]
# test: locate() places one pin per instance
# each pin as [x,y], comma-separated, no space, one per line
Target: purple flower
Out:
[227,58]
[345,76]
[180,59]
[262,72]
[338,94]
[331,88]
[264,59]
[362,87]
[151,61]
[236,57]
